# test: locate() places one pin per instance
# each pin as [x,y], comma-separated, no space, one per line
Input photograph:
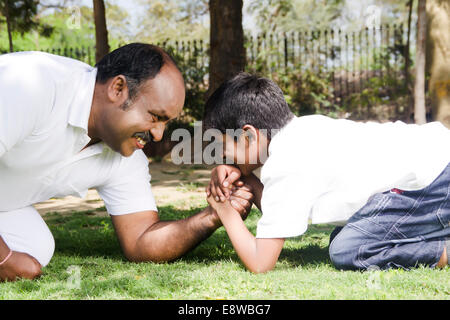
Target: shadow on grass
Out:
[85,235]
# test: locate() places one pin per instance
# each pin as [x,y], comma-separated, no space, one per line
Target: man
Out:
[66,127]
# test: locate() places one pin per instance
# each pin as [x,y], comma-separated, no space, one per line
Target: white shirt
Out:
[324,170]
[45,102]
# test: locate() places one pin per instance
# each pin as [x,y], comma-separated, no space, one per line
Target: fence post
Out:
[285,53]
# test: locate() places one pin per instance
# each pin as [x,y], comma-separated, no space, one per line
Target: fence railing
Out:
[348,60]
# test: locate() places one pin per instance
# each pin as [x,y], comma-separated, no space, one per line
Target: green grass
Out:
[87,244]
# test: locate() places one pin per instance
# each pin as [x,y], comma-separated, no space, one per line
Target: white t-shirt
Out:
[45,102]
[324,170]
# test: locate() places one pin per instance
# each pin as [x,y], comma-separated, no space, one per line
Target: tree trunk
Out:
[419,84]
[227,50]
[101,31]
[409,111]
[8,26]
[438,58]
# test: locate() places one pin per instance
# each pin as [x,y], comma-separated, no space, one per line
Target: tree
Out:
[101,31]
[227,52]
[438,58]
[419,84]
[294,15]
[173,20]
[20,16]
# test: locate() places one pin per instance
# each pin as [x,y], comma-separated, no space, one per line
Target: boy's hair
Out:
[138,62]
[247,99]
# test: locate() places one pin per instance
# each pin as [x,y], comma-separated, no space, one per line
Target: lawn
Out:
[88,264]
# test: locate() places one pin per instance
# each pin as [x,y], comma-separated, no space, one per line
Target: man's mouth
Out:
[142,138]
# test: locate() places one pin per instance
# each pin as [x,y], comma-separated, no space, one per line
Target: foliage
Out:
[307,91]
[386,90]
[294,15]
[311,93]
[21,17]
[173,20]
[195,73]
[69,30]
[73,27]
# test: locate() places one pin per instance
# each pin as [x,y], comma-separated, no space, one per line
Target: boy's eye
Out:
[154,117]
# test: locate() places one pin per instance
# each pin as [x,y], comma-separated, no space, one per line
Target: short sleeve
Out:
[285,210]
[129,190]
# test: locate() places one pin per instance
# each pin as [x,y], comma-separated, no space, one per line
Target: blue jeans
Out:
[396,229]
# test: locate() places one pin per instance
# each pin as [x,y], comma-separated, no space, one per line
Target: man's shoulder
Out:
[39,67]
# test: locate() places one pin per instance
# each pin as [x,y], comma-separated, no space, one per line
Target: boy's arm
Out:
[258,255]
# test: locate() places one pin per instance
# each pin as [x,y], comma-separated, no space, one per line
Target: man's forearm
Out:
[169,240]
[257,188]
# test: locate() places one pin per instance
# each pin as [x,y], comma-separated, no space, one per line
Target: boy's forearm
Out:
[256,256]
[243,241]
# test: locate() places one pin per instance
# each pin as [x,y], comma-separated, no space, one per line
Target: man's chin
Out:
[124,151]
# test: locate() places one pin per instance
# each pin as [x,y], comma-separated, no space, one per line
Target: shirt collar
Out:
[80,108]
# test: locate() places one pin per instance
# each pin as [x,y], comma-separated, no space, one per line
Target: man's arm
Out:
[144,237]
[258,255]
[257,188]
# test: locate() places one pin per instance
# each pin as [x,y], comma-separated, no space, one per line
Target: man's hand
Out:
[20,265]
[223,178]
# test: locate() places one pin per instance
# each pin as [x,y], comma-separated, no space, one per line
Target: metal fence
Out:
[349,60]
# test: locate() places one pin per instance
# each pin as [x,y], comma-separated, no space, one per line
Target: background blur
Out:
[363,60]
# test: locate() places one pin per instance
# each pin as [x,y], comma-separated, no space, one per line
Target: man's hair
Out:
[247,99]
[138,62]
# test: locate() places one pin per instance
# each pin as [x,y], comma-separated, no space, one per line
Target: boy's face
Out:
[246,151]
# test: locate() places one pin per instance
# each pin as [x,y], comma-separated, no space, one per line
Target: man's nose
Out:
[157,132]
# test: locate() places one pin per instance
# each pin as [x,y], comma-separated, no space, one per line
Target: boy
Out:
[387,184]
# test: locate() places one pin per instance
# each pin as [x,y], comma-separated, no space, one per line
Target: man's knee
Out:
[44,251]
[41,249]
[34,270]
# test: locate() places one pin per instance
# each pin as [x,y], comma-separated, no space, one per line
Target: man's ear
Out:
[118,89]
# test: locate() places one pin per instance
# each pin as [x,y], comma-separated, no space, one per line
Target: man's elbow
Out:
[138,256]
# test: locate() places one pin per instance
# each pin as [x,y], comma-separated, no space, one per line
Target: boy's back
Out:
[325,169]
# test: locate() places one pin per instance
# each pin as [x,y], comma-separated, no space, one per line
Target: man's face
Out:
[158,101]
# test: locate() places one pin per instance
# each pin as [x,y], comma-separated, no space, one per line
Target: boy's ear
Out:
[250,132]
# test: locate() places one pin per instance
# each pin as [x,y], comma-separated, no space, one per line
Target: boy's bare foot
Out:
[444,259]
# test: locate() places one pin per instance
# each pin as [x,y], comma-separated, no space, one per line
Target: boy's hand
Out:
[223,178]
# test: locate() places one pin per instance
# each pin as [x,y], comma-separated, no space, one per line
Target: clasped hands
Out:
[226,190]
